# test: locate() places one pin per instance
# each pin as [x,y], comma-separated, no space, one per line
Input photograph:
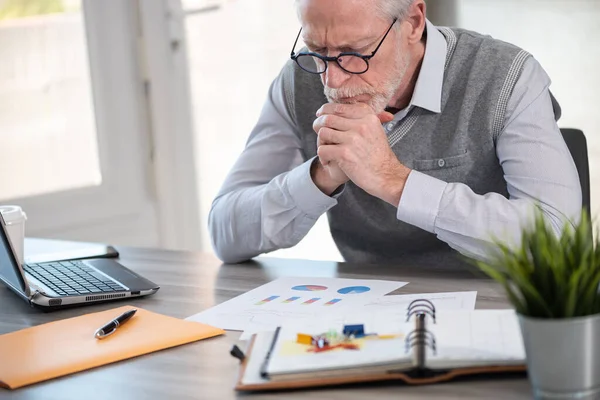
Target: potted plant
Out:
[553,283]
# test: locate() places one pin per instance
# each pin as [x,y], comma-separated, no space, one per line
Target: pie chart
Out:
[354,290]
[309,288]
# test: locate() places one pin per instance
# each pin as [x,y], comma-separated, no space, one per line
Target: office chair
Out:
[576,142]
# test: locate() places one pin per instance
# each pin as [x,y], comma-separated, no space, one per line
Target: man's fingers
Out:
[329,153]
[353,111]
[350,111]
[330,136]
[385,117]
[332,121]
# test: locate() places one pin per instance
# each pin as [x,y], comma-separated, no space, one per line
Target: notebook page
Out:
[289,357]
[259,351]
[475,338]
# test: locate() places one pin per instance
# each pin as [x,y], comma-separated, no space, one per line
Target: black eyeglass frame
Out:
[366,58]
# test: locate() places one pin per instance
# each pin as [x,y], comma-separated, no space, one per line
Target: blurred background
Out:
[120,119]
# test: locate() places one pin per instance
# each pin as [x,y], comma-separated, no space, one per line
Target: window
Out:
[47,123]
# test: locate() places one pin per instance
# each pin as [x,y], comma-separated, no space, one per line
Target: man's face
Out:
[334,26]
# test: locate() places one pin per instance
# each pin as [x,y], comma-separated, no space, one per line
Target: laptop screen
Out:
[9,267]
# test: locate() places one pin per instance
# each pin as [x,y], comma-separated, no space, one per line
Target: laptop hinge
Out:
[34,293]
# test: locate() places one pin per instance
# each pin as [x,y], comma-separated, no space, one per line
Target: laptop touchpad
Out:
[121,274]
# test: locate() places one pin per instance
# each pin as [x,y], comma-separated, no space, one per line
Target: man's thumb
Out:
[385,117]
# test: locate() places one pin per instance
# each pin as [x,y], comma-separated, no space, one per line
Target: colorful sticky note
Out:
[355,330]
[303,338]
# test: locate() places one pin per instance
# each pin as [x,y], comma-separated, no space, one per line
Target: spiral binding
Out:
[420,337]
[420,306]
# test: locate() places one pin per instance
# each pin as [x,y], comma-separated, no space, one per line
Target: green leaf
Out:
[548,275]
[573,294]
[10,9]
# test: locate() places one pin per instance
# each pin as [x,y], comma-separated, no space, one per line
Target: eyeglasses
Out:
[353,63]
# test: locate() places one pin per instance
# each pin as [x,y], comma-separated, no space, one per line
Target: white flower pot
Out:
[563,356]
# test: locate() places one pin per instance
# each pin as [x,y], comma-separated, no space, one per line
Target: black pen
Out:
[263,369]
[112,326]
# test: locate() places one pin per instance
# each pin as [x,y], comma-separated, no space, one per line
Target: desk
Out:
[192,282]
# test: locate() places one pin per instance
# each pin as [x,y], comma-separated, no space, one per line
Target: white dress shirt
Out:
[269,201]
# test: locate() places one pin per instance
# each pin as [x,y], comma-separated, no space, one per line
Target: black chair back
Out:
[577,144]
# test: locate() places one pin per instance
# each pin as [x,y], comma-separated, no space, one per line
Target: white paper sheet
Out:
[441,301]
[384,314]
[476,338]
[294,298]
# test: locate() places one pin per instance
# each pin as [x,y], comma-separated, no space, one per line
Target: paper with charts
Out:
[293,297]
[441,301]
[386,313]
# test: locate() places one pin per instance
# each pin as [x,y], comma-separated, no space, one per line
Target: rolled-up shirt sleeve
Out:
[268,201]
[538,169]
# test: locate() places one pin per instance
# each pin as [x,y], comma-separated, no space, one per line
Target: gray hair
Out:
[391,9]
[388,9]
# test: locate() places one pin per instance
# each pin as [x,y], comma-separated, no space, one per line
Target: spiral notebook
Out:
[428,347]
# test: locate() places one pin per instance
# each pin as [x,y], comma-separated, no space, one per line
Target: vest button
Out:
[441,162]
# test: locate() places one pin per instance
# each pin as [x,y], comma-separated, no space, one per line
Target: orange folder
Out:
[68,346]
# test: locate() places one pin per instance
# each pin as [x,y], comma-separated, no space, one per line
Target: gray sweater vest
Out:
[480,74]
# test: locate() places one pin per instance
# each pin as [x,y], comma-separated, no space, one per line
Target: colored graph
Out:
[268,299]
[309,288]
[354,290]
[291,299]
[310,301]
[332,302]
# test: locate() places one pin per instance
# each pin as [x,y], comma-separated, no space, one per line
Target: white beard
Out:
[380,98]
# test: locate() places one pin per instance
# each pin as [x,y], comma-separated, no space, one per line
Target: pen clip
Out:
[100,334]
[237,353]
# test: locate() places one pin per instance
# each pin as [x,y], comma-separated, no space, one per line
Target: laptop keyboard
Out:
[72,278]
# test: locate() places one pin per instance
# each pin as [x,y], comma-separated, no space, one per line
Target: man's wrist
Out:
[394,183]
[321,178]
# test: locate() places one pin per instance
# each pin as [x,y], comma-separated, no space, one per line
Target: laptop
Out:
[56,285]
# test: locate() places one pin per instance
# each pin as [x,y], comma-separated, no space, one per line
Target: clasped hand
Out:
[352,145]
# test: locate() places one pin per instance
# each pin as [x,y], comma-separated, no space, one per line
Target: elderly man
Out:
[415,139]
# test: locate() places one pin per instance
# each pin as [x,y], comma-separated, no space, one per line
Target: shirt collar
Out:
[428,88]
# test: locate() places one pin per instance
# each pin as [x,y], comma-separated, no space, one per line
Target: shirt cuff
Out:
[305,194]
[420,200]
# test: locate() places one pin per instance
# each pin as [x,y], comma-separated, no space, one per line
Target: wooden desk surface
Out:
[192,282]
